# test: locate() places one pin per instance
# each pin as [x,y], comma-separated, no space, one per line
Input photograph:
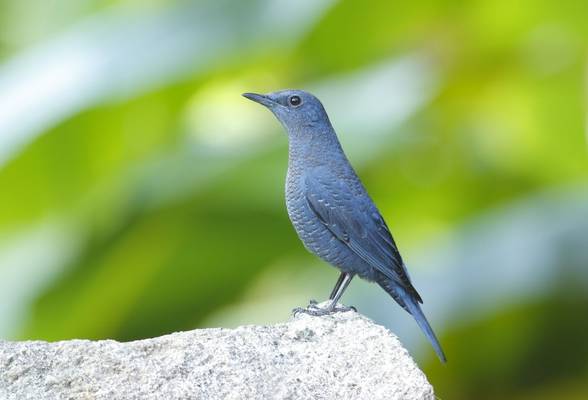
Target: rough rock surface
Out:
[341,356]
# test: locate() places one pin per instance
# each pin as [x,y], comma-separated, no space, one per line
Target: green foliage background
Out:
[140,194]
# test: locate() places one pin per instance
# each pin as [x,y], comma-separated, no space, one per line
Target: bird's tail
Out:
[411,305]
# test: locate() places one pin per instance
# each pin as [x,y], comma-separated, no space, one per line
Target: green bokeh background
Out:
[140,194]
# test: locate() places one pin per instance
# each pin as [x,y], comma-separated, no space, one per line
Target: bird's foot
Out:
[312,307]
[316,310]
[347,308]
[342,308]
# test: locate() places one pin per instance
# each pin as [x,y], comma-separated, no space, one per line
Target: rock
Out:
[341,356]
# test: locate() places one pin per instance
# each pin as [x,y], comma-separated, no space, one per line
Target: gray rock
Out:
[341,356]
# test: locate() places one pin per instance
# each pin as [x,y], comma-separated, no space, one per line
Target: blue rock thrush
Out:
[331,211]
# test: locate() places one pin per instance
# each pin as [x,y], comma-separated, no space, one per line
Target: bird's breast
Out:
[295,198]
[311,231]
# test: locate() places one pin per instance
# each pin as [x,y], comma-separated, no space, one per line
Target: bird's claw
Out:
[315,310]
[341,308]
[310,309]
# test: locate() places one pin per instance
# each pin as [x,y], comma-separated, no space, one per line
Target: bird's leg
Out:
[314,304]
[340,286]
[337,286]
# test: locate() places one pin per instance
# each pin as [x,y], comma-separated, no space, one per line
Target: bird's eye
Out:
[295,101]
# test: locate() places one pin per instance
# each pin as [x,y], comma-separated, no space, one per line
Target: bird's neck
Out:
[313,146]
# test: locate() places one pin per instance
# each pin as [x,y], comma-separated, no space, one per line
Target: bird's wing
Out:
[355,221]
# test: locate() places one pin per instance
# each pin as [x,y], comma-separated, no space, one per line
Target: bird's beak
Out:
[261,99]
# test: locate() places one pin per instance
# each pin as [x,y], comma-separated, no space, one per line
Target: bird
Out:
[331,211]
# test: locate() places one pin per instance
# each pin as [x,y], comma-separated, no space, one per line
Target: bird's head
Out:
[297,110]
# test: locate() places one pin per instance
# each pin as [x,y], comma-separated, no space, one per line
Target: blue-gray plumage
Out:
[330,209]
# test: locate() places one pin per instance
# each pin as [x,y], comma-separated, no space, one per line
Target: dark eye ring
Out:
[295,101]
